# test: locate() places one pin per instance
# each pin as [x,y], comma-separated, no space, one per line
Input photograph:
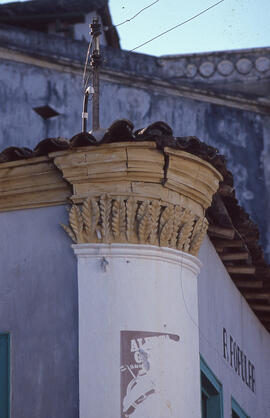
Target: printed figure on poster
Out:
[143,371]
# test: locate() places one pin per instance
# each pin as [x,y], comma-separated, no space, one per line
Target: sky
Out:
[232,24]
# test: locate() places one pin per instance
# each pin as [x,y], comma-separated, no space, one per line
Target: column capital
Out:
[135,193]
[108,219]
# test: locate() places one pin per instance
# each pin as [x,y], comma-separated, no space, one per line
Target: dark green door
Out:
[4,375]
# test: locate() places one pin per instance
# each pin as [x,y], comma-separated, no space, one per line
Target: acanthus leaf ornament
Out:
[143,217]
[90,215]
[154,214]
[76,222]
[118,220]
[166,226]
[131,207]
[109,219]
[198,234]
[105,204]
[185,230]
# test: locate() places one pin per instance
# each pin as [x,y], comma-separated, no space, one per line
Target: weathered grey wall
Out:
[38,306]
[242,136]
[23,87]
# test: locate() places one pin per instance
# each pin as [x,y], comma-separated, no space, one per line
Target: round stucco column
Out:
[138,220]
[138,354]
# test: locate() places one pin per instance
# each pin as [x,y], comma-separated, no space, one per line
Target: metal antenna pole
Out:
[95,64]
[85,106]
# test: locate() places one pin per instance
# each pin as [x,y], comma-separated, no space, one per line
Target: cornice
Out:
[188,176]
[117,162]
[30,184]
[115,184]
[121,169]
[140,170]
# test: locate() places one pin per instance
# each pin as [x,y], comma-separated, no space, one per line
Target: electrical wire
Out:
[86,79]
[149,40]
[137,14]
[176,26]
[86,64]
[90,72]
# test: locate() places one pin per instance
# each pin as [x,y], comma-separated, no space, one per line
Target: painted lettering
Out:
[235,356]
[140,342]
[246,377]
[225,346]
[231,350]
[242,366]
[253,378]
[238,360]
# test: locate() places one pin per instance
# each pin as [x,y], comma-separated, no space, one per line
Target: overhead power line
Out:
[86,78]
[176,26]
[137,14]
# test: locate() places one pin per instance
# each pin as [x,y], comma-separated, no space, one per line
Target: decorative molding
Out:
[121,169]
[140,170]
[225,67]
[139,252]
[190,176]
[262,64]
[206,69]
[115,162]
[162,86]
[228,64]
[109,219]
[244,66]
[31,183]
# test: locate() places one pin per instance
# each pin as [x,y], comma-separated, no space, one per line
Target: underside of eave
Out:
[239,250]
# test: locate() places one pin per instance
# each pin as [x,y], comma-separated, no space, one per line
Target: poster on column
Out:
[148,384]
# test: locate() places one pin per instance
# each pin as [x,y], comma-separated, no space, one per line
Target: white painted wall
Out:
[138,288]
[221,305]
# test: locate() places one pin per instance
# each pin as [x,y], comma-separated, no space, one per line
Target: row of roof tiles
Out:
[122,130]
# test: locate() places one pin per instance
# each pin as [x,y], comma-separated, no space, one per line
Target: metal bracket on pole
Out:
[95,64]
[87,92]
